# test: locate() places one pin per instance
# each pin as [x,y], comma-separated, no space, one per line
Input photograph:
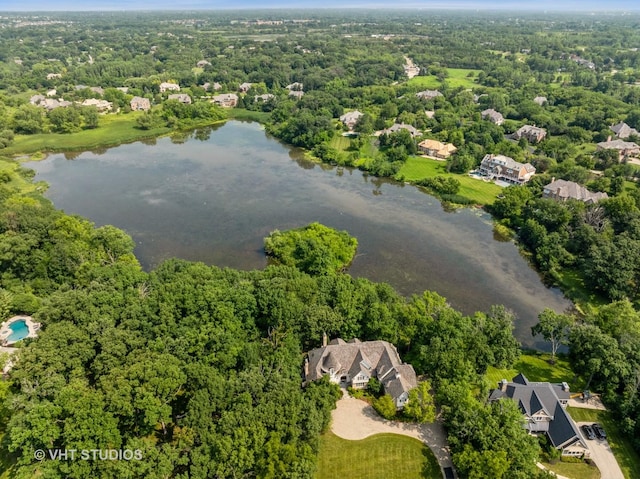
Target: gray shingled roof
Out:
[378,359]
[533,397]
[563,190]
[618,145]
[622,130]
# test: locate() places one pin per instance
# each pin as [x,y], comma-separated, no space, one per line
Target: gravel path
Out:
[355,419]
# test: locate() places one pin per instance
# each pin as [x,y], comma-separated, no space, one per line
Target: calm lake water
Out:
[215,195]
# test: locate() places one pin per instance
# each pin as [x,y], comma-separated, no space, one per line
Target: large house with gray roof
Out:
[562,190]
[623,131]
[505,168]
[532,134]
[353,363]
[543,406]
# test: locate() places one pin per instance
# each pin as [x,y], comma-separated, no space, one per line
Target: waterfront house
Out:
[436,148]
[504,168]
[353,363]
[544,408]
[562,190]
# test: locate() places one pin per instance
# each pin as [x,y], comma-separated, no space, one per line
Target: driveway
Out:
[603,457]
[355,419]
[593,403]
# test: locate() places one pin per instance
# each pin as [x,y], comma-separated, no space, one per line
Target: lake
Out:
[214,194]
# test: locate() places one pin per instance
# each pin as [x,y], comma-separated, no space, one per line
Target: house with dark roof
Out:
[353,363]
[562,190]
[543,406]
[505,168]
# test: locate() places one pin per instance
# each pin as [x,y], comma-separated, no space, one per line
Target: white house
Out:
[504,168]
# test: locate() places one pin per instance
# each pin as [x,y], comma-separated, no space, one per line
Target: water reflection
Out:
[215,200]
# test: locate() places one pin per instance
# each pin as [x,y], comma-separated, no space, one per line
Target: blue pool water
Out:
[20,330]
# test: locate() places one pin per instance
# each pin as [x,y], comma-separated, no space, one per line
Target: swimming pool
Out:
[19,330]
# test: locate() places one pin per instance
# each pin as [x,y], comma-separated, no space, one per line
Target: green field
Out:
[340,143]
[622,448]
[113,130]
[383,456]
[536,367]
[456,77]
[481,192]
[248,115]
[574,470]
[572,285]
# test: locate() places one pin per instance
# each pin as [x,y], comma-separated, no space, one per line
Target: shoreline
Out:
[248,115]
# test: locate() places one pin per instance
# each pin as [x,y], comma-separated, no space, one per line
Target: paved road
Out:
[603,457]
[355,419]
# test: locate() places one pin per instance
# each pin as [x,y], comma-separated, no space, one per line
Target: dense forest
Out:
[200,367]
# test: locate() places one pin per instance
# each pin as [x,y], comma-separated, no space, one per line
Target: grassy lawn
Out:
[340,143]
[535,367]
[242,114]
[429,82]
[481,192]
[383,456]
[622,448]
[457,77]
[18,183]
[113,130]
[572,285]
[574,471]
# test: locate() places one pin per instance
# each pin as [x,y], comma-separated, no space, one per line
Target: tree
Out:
[65,119]
[420,406]
[27,119]
[553,327]
[385,407]
[315,248]
[90,116]
[597,356]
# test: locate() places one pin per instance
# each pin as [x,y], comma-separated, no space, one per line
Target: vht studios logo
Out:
[88,454]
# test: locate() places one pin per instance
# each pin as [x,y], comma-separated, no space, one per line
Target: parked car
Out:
[600,433]
[448,473]
[588,431]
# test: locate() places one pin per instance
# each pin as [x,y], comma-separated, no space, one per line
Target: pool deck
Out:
[5,330]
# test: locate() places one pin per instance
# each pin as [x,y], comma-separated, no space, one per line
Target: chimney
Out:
[553,178]
[502,385]
[324,340]
[565,386]
[608,138]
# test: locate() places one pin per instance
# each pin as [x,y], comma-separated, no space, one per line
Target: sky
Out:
[119,5]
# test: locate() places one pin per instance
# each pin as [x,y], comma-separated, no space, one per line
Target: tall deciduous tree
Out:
[553,327]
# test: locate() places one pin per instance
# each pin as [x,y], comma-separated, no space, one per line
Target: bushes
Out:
[442,185]
[385,407]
